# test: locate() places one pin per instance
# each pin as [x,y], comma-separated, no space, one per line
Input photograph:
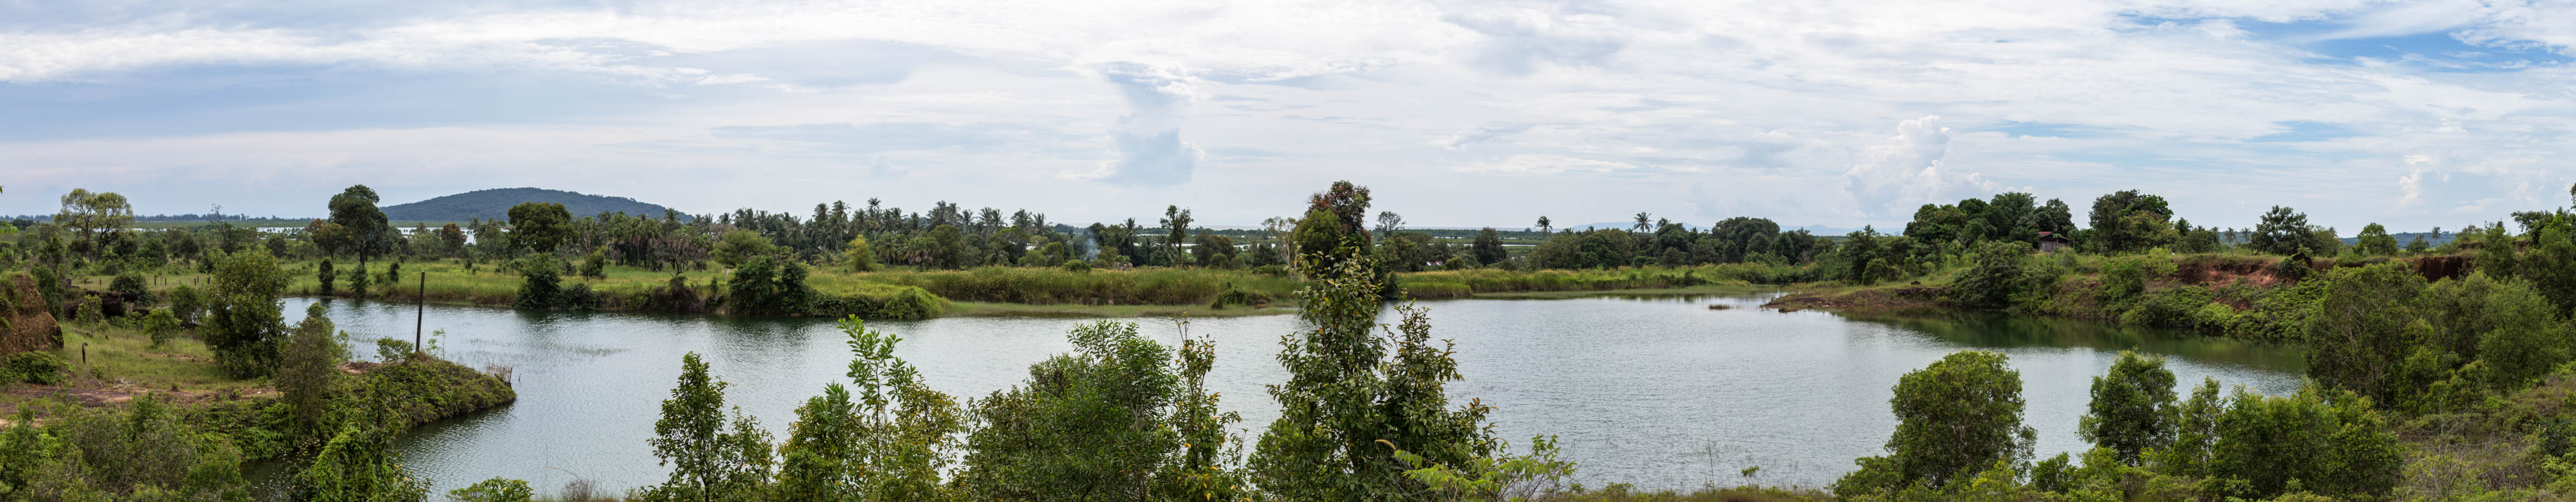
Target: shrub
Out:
[578,297]
[1994,279]
[1237,296]
[86,310]
[187,303]
[595,266]
[42,368]
[493,490]
[2175,307]
[326,275]
[1077,266]
[160,325]
[543,283]
[130,285]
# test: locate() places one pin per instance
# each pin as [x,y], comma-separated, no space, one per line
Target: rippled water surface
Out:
[1658,392]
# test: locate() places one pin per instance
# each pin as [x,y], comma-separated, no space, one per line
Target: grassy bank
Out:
[122,364]
[999,291]
[2236,295]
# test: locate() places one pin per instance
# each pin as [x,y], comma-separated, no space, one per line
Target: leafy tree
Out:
[2514,334]
[1333,229]
[595,266]
[739,246]
[354,210]
[1346,406]
[2282,231]
[710,459]
[1994,278]
[2326,442]
[309,370]
[1955,418]
[358,280]
[892,442]
[325,274]
[540,226]
[541,282]
[359,464]
[1544,227]
[187,303]
[1488,247]
[92,213]
[2128,221]
[948,247]
[1107,422]
[451,240]
[857,256]
[2374,241]
[2132,407]
[2363,328]
[161,326]
[244,326]
[766,286]
[145,450]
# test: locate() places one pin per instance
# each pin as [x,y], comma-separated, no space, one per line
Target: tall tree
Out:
[540,226]
[2282,231]
[2374,241]
[1347,406]
[354,210]
[92,213]
[1177,221]
[2132,407]
[710,459]
[244,326]
[2127,221]
[1955,418]
[1488,247]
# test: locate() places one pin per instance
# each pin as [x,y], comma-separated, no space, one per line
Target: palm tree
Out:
[1641,222]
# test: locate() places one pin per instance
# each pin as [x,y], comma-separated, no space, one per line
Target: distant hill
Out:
[495,204]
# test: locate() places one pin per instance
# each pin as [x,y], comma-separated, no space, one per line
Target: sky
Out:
[1830,112]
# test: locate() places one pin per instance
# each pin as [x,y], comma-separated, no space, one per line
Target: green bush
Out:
[2172,307]
[1077,266]
[187,303]
[160,325]
[132,286]
[493,490]
[41,368]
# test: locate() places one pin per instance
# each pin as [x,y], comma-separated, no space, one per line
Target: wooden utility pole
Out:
[420,312]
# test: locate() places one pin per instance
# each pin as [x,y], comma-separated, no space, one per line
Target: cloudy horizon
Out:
[1457,114]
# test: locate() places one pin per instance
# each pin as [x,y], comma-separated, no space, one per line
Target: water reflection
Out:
[1658,391]
[1996,330]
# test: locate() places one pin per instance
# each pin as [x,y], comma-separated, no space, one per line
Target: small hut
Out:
[2051,242]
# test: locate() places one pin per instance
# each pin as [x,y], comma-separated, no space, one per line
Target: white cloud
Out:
[1147,146]
[1528,164]
[1906,170]
[1479,134]
[1666,106]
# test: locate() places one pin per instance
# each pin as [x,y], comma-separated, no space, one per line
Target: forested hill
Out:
[495,204]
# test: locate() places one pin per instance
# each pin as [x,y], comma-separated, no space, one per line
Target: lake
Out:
[1656,392]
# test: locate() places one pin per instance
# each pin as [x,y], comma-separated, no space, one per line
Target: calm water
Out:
[1659,392]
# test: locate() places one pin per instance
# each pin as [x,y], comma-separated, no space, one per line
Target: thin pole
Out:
[421,311]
